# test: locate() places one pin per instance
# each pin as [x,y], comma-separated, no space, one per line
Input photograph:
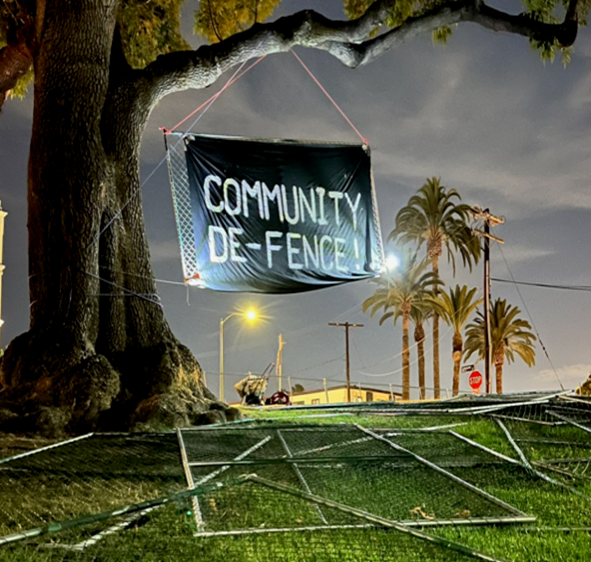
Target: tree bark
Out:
[436,377]
[99,352]
[405,358]
[457,347]
[499,377]
[499,361]
[420,340]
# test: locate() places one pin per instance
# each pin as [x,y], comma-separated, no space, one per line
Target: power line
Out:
[586,288]
[531,319]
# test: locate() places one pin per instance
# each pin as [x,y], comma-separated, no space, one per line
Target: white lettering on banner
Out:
[294,205]
[311,254]
[272,247]
[213,255]
[354,208]
[234,244]
[255,192]
[325,238]
[206,185]
[231,184]
[339,254]
[307,204]
[323,252]
[336,196]
[291,251]
[320,192]
[274,194]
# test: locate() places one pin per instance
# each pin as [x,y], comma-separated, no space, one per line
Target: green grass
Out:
[166,534]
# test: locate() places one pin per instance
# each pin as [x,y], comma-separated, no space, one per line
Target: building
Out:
[338,395]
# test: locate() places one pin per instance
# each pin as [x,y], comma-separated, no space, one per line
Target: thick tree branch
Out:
[198,69]
[348,41]
[477,12]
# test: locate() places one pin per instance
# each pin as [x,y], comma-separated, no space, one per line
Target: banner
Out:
[281,216]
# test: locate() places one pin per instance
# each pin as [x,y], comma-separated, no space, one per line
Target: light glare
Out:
[392,262]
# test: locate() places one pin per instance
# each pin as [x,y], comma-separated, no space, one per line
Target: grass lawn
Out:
[560,533]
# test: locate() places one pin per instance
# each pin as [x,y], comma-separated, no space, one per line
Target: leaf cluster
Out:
[217,20]
[511,335]
[149,29]
[435,217]
[456,305]
[398,294]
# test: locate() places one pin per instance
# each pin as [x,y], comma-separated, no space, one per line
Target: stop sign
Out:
[475,379]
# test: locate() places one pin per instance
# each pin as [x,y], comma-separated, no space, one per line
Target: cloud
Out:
[518,253]
[571,376]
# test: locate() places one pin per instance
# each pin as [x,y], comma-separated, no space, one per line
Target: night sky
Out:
[483,113]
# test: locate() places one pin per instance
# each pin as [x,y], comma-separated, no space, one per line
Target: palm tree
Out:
[419,315]
[434,217]
[396,295]
[456,307]
[509,334]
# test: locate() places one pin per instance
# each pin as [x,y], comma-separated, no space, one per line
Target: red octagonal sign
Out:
[475,379]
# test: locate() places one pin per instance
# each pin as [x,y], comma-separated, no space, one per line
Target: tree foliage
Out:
[149,28]
[217,20]
[510,337]
[435,218]
[455,307]
[396,296]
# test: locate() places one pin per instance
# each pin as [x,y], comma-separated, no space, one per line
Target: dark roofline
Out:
[338,387]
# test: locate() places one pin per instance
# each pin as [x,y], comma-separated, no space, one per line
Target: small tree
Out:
[509,334]
[455,307]
[396,295]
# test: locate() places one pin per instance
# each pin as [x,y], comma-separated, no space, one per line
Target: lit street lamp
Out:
[250,315]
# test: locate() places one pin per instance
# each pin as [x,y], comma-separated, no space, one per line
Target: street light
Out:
[392,262]
[250,315]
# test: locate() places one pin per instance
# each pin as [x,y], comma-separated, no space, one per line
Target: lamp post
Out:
[250,315]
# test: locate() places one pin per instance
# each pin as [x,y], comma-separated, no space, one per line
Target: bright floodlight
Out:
[251,315]
[392,262]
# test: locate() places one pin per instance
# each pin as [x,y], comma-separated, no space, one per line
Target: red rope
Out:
[365,141]
[235,77]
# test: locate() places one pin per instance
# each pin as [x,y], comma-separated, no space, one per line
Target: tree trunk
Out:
[499,377]
[420,341]
[99,352]
[499,361]
[436,377]
[457,347]
[405,359]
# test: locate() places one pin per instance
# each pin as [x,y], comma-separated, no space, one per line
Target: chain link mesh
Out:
[181,197]
[321,492]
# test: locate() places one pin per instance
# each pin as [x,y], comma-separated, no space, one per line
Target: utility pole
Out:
[347,325]
[489,220]
[279,363]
